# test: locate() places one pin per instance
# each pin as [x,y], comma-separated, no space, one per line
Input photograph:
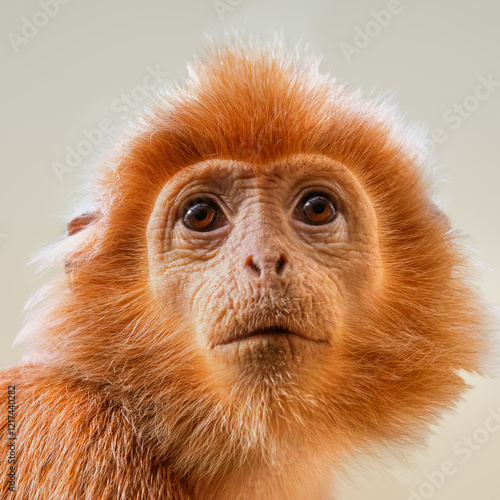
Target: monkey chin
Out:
[273,357]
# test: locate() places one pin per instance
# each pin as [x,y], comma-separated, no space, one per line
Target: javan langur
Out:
[262,287]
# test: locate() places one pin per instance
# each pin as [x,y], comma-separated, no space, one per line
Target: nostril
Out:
[280,265]
[259,267]
[252,266]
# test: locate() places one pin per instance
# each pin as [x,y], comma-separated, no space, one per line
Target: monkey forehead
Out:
[233,176]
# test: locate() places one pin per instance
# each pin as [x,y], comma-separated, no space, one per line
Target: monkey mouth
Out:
[273,331]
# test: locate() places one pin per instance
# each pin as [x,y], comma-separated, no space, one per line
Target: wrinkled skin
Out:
[263,266]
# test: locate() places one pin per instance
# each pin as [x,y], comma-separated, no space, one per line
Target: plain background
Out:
[80,63]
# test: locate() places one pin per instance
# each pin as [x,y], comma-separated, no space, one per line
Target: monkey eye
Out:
[202,214]
[316,209]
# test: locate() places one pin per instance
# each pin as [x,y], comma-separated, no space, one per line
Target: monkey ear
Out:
[440,215]
[81,222]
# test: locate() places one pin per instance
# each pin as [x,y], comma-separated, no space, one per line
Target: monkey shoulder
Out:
[67,439]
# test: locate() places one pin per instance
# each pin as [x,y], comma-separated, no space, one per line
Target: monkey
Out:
[262,287]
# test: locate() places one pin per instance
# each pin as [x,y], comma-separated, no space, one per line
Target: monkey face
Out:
[264,263]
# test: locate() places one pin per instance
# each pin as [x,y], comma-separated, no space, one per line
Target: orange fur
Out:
[113,406]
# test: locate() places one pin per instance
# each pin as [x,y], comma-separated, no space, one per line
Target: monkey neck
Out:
[240,458]
[290,477]
[214,447]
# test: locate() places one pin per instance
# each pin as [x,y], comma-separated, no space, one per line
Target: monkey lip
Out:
[262,333]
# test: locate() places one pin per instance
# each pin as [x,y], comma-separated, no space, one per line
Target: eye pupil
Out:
[319,208]
[201,214]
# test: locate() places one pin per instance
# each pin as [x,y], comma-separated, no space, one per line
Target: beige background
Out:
[69,74]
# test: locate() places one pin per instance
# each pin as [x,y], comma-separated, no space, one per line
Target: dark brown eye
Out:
[202,215]
[317,209]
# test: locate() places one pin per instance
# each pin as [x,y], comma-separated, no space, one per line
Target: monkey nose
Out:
[260,266]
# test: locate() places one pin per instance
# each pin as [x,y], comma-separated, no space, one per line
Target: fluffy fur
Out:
[110,405]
